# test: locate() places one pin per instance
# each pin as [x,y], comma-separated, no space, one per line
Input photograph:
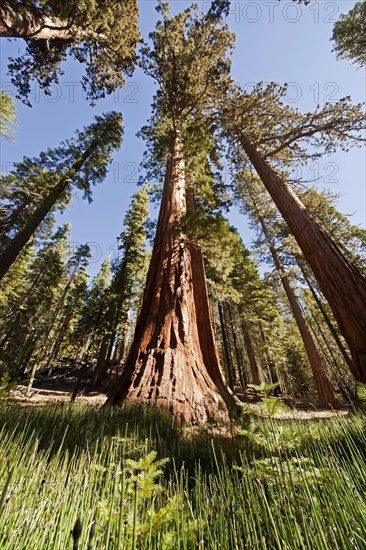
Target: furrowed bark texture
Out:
[18,21]
[173,362]
[341,283]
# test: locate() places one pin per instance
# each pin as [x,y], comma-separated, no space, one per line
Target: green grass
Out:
[281,485]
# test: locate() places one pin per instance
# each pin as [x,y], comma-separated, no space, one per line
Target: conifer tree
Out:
[129,275]
[323,386]
[173,360]
[81,162]
[349,35]
[7,115]
[272,136]
[88,330]
[27,317]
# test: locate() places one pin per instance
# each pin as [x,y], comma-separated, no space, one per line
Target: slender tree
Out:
[267,137]
[82,162]
[26,319]
[129,275]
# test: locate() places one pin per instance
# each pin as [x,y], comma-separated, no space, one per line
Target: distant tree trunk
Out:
[341,283]
[322,384]
[329,323]
[250,352]
[347,394]
[101,368]
[17,243]
[227,355]
[271,370]
[173,361]
[238,356]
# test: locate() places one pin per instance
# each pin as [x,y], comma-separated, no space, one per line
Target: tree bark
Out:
[250,352]
[17,243]
[341,283]
[328,321]
[238,355]
[173,361]
[322,384]
[227,355]
[18,21]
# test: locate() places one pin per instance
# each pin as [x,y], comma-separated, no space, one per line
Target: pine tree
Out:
[129,275]
[101,35]
[88,331]
[27,316]
[82,162]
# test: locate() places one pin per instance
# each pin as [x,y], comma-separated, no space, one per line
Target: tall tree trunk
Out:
[269,364]
[250,351]
[19,21]
[101,368]
[15,245]
[322,384]
[238,355]
[329,323]
[341,283]
[173,361]
[227,355]
[332,359]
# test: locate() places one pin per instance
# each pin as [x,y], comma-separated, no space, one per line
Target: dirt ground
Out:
[43,396]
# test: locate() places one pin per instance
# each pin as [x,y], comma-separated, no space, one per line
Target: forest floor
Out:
[129,477]
[55,390]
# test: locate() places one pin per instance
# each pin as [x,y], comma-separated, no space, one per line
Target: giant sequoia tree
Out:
[102,34]
[272,136]
[173,361]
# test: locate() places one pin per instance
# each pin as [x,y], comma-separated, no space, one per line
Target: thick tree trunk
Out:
[101,368]
[15,245]
[18,21]
[173,361]
[341,283]
[322,384]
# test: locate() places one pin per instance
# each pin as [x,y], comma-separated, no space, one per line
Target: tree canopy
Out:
[349,35]
[100,34]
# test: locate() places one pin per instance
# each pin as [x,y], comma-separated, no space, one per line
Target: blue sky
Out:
[276,41]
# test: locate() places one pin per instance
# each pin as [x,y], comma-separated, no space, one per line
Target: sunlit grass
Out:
[292,485]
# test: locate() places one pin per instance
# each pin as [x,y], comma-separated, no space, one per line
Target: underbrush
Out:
[131,478]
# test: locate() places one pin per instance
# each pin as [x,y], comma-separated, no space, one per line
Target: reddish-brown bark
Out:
[173,362]
[322,384]
[341,283]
